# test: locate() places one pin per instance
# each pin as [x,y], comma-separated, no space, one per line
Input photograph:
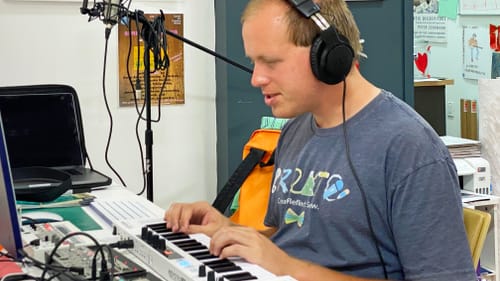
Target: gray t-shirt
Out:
[411,190]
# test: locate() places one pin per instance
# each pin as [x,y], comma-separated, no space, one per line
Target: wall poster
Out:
[173,92]
[428,26]
[476,53]
[480,7]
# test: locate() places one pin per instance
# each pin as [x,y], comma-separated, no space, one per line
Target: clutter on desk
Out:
[67,206]
[461,147]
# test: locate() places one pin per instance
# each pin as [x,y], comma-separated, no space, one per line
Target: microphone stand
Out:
[147,94]
[148,134]
[99,9]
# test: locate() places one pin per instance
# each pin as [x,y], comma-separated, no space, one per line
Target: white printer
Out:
[474,174]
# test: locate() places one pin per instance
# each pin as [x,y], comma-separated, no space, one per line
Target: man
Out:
[363,187]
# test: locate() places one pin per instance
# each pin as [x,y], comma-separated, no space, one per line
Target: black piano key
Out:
[186,242]
[193,248]
[189,242]
[222,269]
[160,228]
[144,232]
[240,276]
[202,270]
[218,262]
[211,276]
[175,235]
[157,224]
[204,255]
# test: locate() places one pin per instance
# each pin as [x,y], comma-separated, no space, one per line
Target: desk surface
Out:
[105,234]
[432,82]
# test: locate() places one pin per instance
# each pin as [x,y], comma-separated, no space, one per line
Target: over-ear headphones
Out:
[40,184]
[331,54]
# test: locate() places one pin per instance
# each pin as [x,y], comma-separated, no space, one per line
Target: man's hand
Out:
[198,217]
[251,245]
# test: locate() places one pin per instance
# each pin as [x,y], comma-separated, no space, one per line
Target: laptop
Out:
[43,128]
[10,235]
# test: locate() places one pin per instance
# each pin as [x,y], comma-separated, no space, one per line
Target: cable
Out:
[135,91]
[43,266]
[358,181]
[109,114]
[59,243]
[154,35]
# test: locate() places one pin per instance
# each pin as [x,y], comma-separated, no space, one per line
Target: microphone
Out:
[111,15]
[111,12]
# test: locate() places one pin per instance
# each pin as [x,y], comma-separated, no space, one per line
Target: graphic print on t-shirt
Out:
[291,181]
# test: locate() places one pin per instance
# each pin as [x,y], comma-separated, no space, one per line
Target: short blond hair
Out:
[302,31]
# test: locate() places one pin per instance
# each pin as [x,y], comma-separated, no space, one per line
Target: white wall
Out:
[51,42]
[446,60]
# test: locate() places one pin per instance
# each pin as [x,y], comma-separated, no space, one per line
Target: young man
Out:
[363,187]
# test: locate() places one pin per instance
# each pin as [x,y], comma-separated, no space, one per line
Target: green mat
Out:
[74,214]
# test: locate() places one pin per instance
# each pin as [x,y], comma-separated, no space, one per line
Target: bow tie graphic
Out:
[291,217]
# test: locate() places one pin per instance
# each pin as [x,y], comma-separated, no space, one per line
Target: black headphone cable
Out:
[358,181]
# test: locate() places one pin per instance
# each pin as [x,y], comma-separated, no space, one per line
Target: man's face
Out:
[281,69]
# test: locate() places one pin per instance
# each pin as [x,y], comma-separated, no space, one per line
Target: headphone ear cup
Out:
[331,58]
[315,57]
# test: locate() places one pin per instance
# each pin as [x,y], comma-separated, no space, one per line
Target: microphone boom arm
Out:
[143,20]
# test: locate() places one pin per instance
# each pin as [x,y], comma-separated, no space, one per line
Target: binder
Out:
[473,132]
[464,118]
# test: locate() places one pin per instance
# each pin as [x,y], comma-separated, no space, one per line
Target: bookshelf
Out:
[430,102]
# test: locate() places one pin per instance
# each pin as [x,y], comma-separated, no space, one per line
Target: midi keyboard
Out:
[181,257]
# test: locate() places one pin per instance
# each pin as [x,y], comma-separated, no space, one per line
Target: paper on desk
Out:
[469,197]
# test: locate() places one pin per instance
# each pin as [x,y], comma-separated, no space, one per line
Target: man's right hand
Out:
[198,217]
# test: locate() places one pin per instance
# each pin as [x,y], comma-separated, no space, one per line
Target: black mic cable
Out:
[358,181]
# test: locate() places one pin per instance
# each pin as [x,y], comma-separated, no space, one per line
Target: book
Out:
[464,118]
[472,126]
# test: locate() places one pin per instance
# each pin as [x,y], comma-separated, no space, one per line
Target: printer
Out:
[474,174]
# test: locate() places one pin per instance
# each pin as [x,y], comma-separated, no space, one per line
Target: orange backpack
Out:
[252,178]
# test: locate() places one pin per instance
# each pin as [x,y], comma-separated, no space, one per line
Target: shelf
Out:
[432,82]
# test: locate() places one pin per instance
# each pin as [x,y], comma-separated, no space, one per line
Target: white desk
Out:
[490,258]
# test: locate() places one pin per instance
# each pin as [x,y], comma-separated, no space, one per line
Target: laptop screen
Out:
[41,129]
[10,235]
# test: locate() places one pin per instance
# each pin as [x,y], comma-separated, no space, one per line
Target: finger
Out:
[207,229]
[172,216]
[184,216]
[237,250]
[225,237]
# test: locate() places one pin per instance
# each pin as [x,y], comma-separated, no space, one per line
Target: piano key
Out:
[222,269]
[240,276]
[192,248]
[189,242]
[175,236]
[218,262]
